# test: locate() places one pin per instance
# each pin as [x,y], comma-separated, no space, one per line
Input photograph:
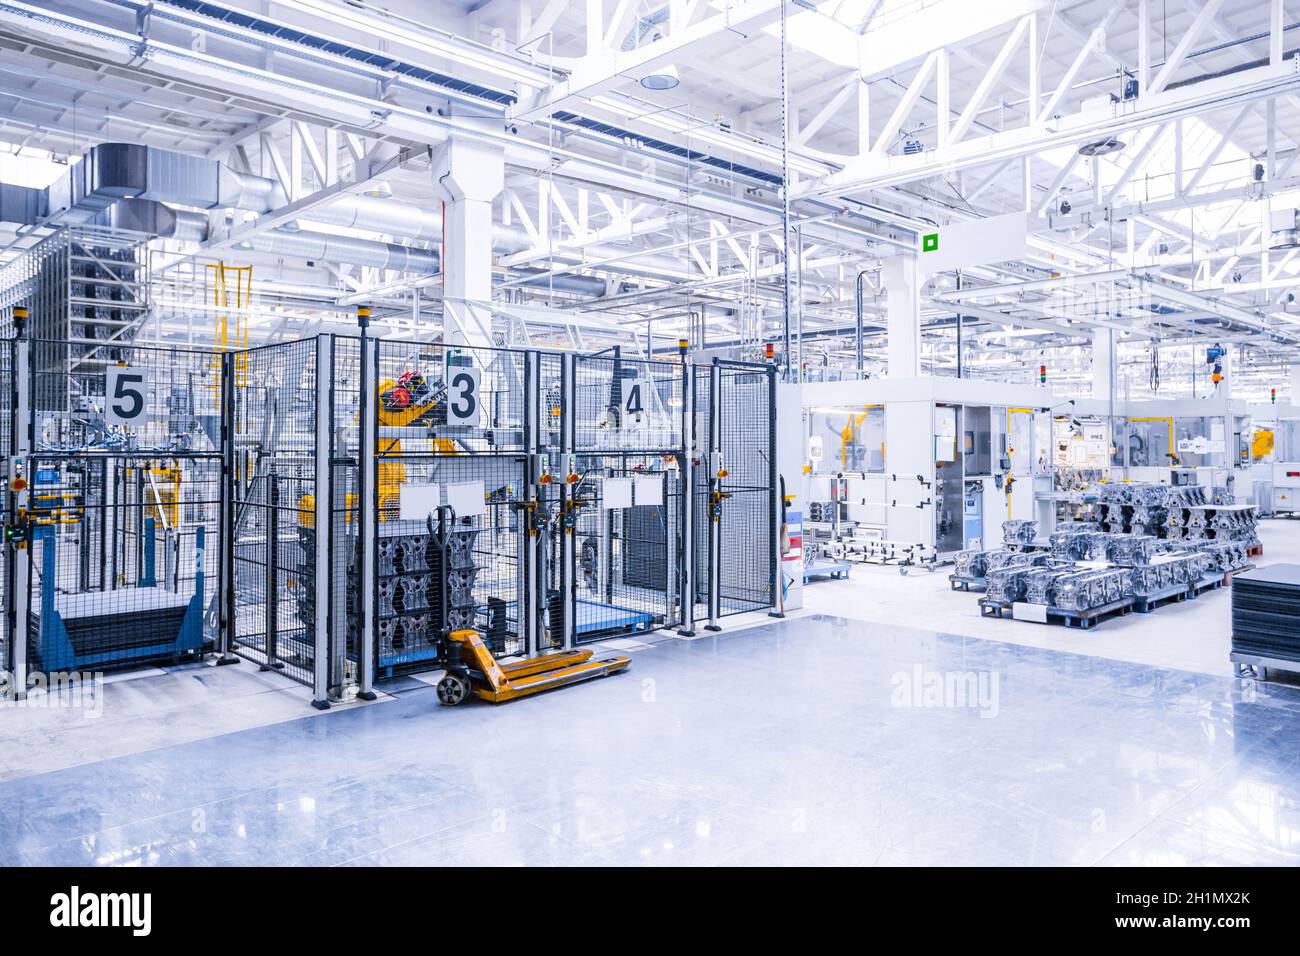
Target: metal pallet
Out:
[1210,583]
[1257,667]
[833,569]
[960,582]
[993,608]
[1090,618]
[1175,593]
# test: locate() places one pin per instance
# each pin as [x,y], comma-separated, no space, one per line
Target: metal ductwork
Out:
[1284,226]
[134,186]
[23,204]
[111,172]
[330,248]
[303,244]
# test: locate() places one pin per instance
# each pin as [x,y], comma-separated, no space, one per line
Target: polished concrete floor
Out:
[816,740]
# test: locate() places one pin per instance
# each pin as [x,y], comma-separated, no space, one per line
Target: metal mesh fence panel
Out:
[551,418]
[747,523]
[275,410]
[125,506]
[700,548]
[627,529]
[627,545]
[623,404]
[345,503]
[450,433]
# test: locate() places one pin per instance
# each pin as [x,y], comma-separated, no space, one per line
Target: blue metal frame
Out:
[149,576]
[54,647]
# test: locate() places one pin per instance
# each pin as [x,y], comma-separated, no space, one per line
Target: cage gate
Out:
[125,506]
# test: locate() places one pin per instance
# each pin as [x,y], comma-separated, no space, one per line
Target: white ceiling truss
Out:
[631,211]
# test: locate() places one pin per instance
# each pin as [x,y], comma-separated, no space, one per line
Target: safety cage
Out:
[328,508]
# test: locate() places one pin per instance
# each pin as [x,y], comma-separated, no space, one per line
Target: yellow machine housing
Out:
[391,474]
[1261,446]
[163,492]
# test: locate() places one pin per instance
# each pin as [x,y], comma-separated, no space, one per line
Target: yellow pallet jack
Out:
[471,668]
[479,673]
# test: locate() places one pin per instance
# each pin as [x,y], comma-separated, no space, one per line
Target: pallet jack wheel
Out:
[453,689]
[902,569]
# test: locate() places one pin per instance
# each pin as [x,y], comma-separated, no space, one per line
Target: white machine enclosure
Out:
[896,500]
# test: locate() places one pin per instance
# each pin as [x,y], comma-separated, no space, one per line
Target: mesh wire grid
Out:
[275,409]
[345,501]
[703,423]
[747,524]
[627,545]
[461,440]
[627,533]
[626,404]
[126,519]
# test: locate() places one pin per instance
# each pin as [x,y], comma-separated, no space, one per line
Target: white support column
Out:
[864,116]
[943,107]
[1103,364]
[1144,46]
[899,277]
[468,176]
[1276,38]
[1035,69]
[1293,373]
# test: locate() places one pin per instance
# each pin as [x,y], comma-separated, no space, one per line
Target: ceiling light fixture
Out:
[663,78]
[1102,147]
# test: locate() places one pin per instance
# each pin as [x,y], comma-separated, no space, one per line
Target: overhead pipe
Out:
[129,185]
[111,172]
[328,247]
[857,328]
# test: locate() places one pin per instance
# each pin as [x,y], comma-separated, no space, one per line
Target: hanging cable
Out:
[1153,375]
[785,193]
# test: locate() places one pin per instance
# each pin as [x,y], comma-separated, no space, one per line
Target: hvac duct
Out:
[133,184]
[111,172]
[1285,232]
[301,243]
[329,248]
[399,219]
[23,204]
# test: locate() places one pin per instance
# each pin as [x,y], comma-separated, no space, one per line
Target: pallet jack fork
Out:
[471,668]
[480,673]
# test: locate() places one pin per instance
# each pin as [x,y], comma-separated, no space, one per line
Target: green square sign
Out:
[930,242]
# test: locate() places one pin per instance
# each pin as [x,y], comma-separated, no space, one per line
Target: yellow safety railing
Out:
[232,295]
